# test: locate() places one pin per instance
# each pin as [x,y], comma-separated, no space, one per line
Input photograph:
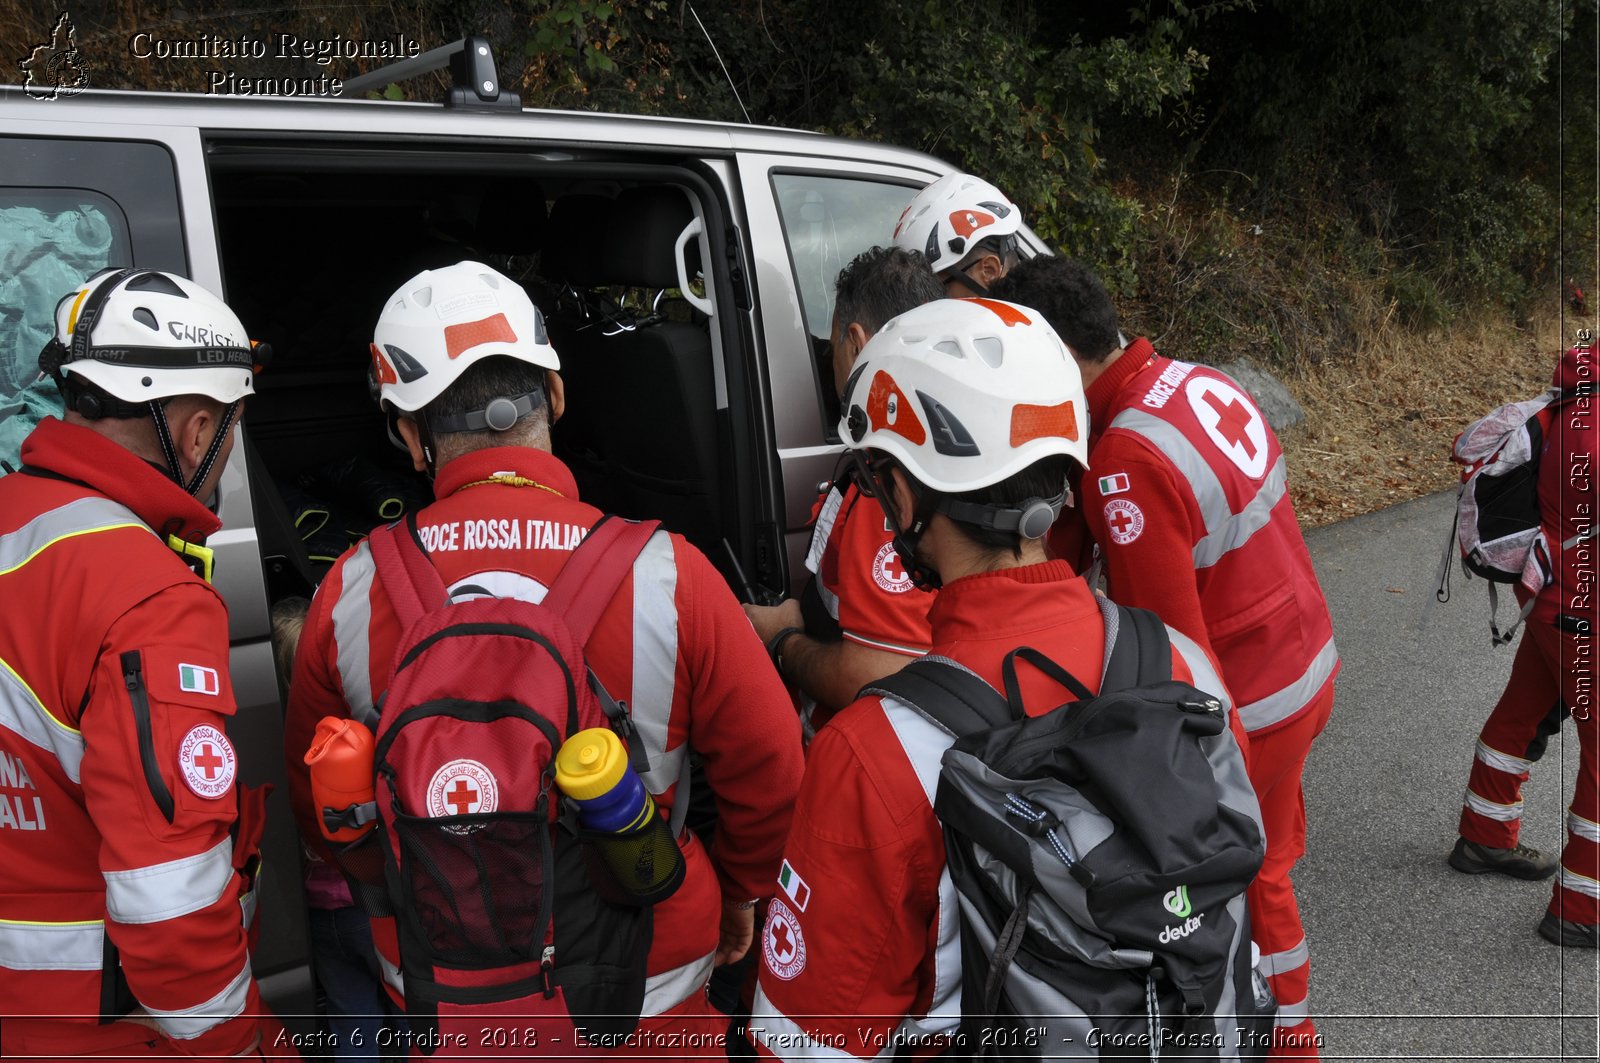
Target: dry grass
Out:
[1379,424]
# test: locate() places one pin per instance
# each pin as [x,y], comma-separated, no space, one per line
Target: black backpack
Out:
[1101,852]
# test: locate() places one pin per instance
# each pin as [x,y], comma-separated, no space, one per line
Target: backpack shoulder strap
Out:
[1138,651]
[590,578]
[409,578]
[948,694]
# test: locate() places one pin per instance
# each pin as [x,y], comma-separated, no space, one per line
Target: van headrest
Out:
[513,217]
[643,231]
[574,239]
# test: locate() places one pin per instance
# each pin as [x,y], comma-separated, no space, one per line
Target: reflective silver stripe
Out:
[1205,676]
[785,1039]
[391,974]
[1587,829]
[1225,530]
[822,531]
[1176,448]
[188,1023]
[352,633]
[1499,761]
[1275,963]
[1293,1014]
[1493,810]
[1237,529]
[665,991]
[165,891]
[1279,706]
[21,711]
[81,517]
[655,659]
[924,743]
[52,946]
[1571,880]
[24,715]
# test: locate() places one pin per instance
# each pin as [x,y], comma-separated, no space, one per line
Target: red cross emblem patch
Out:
[782,945]
[1124,521]
[462,788]
[1232,422]
[207,762]
[889,572]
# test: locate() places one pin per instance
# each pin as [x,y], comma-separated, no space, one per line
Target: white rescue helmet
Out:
[142,335]
[950,217]
[442,321]
[963,393]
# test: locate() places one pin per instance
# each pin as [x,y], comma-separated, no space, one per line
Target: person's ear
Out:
[556,392]
[411,436]
[192,424]
[858,338]
[987,270]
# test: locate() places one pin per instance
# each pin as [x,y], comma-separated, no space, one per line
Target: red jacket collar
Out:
[969,607]
[540,466]
[1108,385]
[109,469]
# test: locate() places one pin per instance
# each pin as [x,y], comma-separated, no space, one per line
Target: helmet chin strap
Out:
[158,414]
[956,273]
[923,575]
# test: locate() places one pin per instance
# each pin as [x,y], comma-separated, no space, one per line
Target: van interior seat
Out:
[659,459]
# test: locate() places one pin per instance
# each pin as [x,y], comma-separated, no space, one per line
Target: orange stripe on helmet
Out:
[888,410]
[1037,422]
[1004,311]
[469,334]
[382,371]
[967,222]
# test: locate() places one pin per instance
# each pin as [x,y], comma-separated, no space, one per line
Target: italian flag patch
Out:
[197,679]
[1114,485]
[794,886]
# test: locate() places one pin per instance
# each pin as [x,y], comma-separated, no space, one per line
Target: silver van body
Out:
[780,211]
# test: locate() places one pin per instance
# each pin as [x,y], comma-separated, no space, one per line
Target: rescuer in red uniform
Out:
[128,846]
[462,362]
[1551,678]
[860,618]
[1187,500]
[967,414]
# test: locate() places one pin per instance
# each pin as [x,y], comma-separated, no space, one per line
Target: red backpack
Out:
[498,922]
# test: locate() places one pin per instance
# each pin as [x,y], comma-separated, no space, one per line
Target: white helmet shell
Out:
[966,392]
[442,321]
[154,335]
[947,219]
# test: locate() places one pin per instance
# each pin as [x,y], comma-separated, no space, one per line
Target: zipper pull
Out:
[547,963]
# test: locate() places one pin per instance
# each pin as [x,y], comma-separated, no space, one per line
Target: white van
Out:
[707,402]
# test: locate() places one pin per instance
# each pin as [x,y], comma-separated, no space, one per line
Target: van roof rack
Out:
[471,61]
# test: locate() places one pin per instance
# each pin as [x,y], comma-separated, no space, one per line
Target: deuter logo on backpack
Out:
[1177,902]
[1071,862]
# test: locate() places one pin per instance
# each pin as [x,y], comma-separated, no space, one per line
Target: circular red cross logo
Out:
[461,788]
[207,761]
[782,944]
[889,572]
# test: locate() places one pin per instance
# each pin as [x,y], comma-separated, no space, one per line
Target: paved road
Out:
[1410,959]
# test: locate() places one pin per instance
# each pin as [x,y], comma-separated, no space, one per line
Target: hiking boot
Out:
[1523,861]
[1567,934]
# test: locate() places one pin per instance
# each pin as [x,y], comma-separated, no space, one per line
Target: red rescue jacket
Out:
[121,832]
[1187,498]
[673,644]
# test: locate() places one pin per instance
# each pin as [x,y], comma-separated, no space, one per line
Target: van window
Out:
[827,221]
[50,242]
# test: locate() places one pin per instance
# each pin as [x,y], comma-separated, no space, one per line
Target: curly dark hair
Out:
[1070,297]
[881,283]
